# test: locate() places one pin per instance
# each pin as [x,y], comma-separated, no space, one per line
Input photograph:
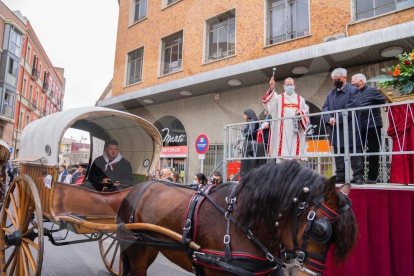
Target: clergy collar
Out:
[344,88]
[363,88]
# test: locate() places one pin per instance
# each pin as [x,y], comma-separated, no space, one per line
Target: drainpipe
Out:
[347,27]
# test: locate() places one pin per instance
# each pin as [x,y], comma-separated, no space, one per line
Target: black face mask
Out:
[355,85]
[338,84]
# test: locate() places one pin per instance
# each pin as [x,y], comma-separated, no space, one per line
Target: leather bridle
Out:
[317,229]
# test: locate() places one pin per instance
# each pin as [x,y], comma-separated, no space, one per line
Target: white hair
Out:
[360,77]
[339,72]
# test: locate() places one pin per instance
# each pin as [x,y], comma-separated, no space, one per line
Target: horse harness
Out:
[241,263]
[319,230]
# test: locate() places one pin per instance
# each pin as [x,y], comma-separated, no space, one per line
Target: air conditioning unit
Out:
[333,37]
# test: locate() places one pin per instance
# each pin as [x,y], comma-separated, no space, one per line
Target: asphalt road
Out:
[85,259]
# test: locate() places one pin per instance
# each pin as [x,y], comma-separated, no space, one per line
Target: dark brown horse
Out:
[269,202]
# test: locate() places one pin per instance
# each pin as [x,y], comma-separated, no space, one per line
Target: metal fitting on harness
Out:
[227,215]
[303,205]
[226,239]
[230,200]
[131,218]
[270,257]
[187,225]
[301,257]
[311,215]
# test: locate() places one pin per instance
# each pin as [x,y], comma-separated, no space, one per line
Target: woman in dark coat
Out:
[250,130]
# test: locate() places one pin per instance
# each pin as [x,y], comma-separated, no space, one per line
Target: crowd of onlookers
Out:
[73,174]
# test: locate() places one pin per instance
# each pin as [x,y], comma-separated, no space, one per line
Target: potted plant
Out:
[400,76]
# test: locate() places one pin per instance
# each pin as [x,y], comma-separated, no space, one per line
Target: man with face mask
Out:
[371,123]
[344,96]
[286,139]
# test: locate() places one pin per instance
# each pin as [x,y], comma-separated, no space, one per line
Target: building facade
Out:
[41,86]
[195,66]
[12,33]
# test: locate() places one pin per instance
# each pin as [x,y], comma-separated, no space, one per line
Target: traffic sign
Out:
[201,144]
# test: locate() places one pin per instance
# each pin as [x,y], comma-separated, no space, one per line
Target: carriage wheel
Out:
[111,254]
[21,229]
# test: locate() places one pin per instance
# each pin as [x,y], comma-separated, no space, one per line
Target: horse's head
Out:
[289,206]
[323,217]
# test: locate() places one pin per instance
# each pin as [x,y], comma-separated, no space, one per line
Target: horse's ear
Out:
[330,191]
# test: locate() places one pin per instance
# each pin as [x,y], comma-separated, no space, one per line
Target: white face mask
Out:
[289,89]
[195,182]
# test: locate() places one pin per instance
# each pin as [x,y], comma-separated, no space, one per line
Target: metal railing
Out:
[318,152]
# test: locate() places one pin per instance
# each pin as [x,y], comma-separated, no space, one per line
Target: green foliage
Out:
[399,76]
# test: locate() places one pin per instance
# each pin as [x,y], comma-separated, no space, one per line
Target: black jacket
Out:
[121,172]
[348,97]
[371,96]
[250,130]
[266,131]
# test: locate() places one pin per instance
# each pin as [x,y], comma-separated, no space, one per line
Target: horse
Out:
[291,210]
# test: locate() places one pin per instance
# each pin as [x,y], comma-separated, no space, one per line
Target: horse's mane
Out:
[270,190]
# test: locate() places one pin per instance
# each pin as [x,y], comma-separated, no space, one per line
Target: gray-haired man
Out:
[371,123]
[341,97]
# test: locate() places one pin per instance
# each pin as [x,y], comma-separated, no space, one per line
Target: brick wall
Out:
[327,18]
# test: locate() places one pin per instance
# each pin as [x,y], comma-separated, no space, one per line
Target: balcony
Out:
[45,86]
[35,74]
[31,105]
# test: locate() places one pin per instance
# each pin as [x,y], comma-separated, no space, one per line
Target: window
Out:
[47,107]
[134,71]
[20,125]
[15,42]
[29,50]
[172,53]
[287,20]
[8,104]
[24,86]
[370,8]
[34,61]
[41,103]
[221,35]
[140,10]
[30,91]
[166,3]
[12,68]
[27,119]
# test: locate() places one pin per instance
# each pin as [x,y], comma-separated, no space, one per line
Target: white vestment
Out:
[283,140]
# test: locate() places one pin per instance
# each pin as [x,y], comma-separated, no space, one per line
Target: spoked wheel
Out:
[21,232]
[111,254]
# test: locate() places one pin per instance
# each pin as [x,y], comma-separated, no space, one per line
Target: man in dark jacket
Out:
[110,167]
[371,123]
[76,173]
[344,96]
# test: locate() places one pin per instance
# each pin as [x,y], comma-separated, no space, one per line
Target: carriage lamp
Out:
[296,125]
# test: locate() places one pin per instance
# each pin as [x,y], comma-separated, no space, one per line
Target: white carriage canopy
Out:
[139,141]
[4,151]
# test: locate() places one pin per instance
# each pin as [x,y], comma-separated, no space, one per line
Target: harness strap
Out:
[249,234]
[215,261]
[226,241]
[134,207]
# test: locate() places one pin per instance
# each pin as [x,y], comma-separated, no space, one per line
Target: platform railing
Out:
[396,117]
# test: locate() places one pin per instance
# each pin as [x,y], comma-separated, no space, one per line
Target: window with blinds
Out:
[371,8]
[287,20]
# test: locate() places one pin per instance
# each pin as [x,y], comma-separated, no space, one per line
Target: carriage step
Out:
[58,238]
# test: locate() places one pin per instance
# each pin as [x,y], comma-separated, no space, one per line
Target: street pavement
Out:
[85,260]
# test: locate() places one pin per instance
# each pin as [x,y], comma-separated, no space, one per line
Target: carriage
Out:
[36,198]
[239,232]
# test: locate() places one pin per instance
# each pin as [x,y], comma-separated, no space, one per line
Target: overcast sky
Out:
[80,36]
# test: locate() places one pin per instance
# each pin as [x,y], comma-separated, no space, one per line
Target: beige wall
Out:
[327,17]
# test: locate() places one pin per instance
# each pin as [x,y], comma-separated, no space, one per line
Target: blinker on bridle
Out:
[319,230]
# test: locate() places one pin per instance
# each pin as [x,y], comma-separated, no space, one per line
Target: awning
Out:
[347,52]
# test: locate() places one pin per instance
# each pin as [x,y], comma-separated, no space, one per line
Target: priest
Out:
[287,136]
[110,167]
